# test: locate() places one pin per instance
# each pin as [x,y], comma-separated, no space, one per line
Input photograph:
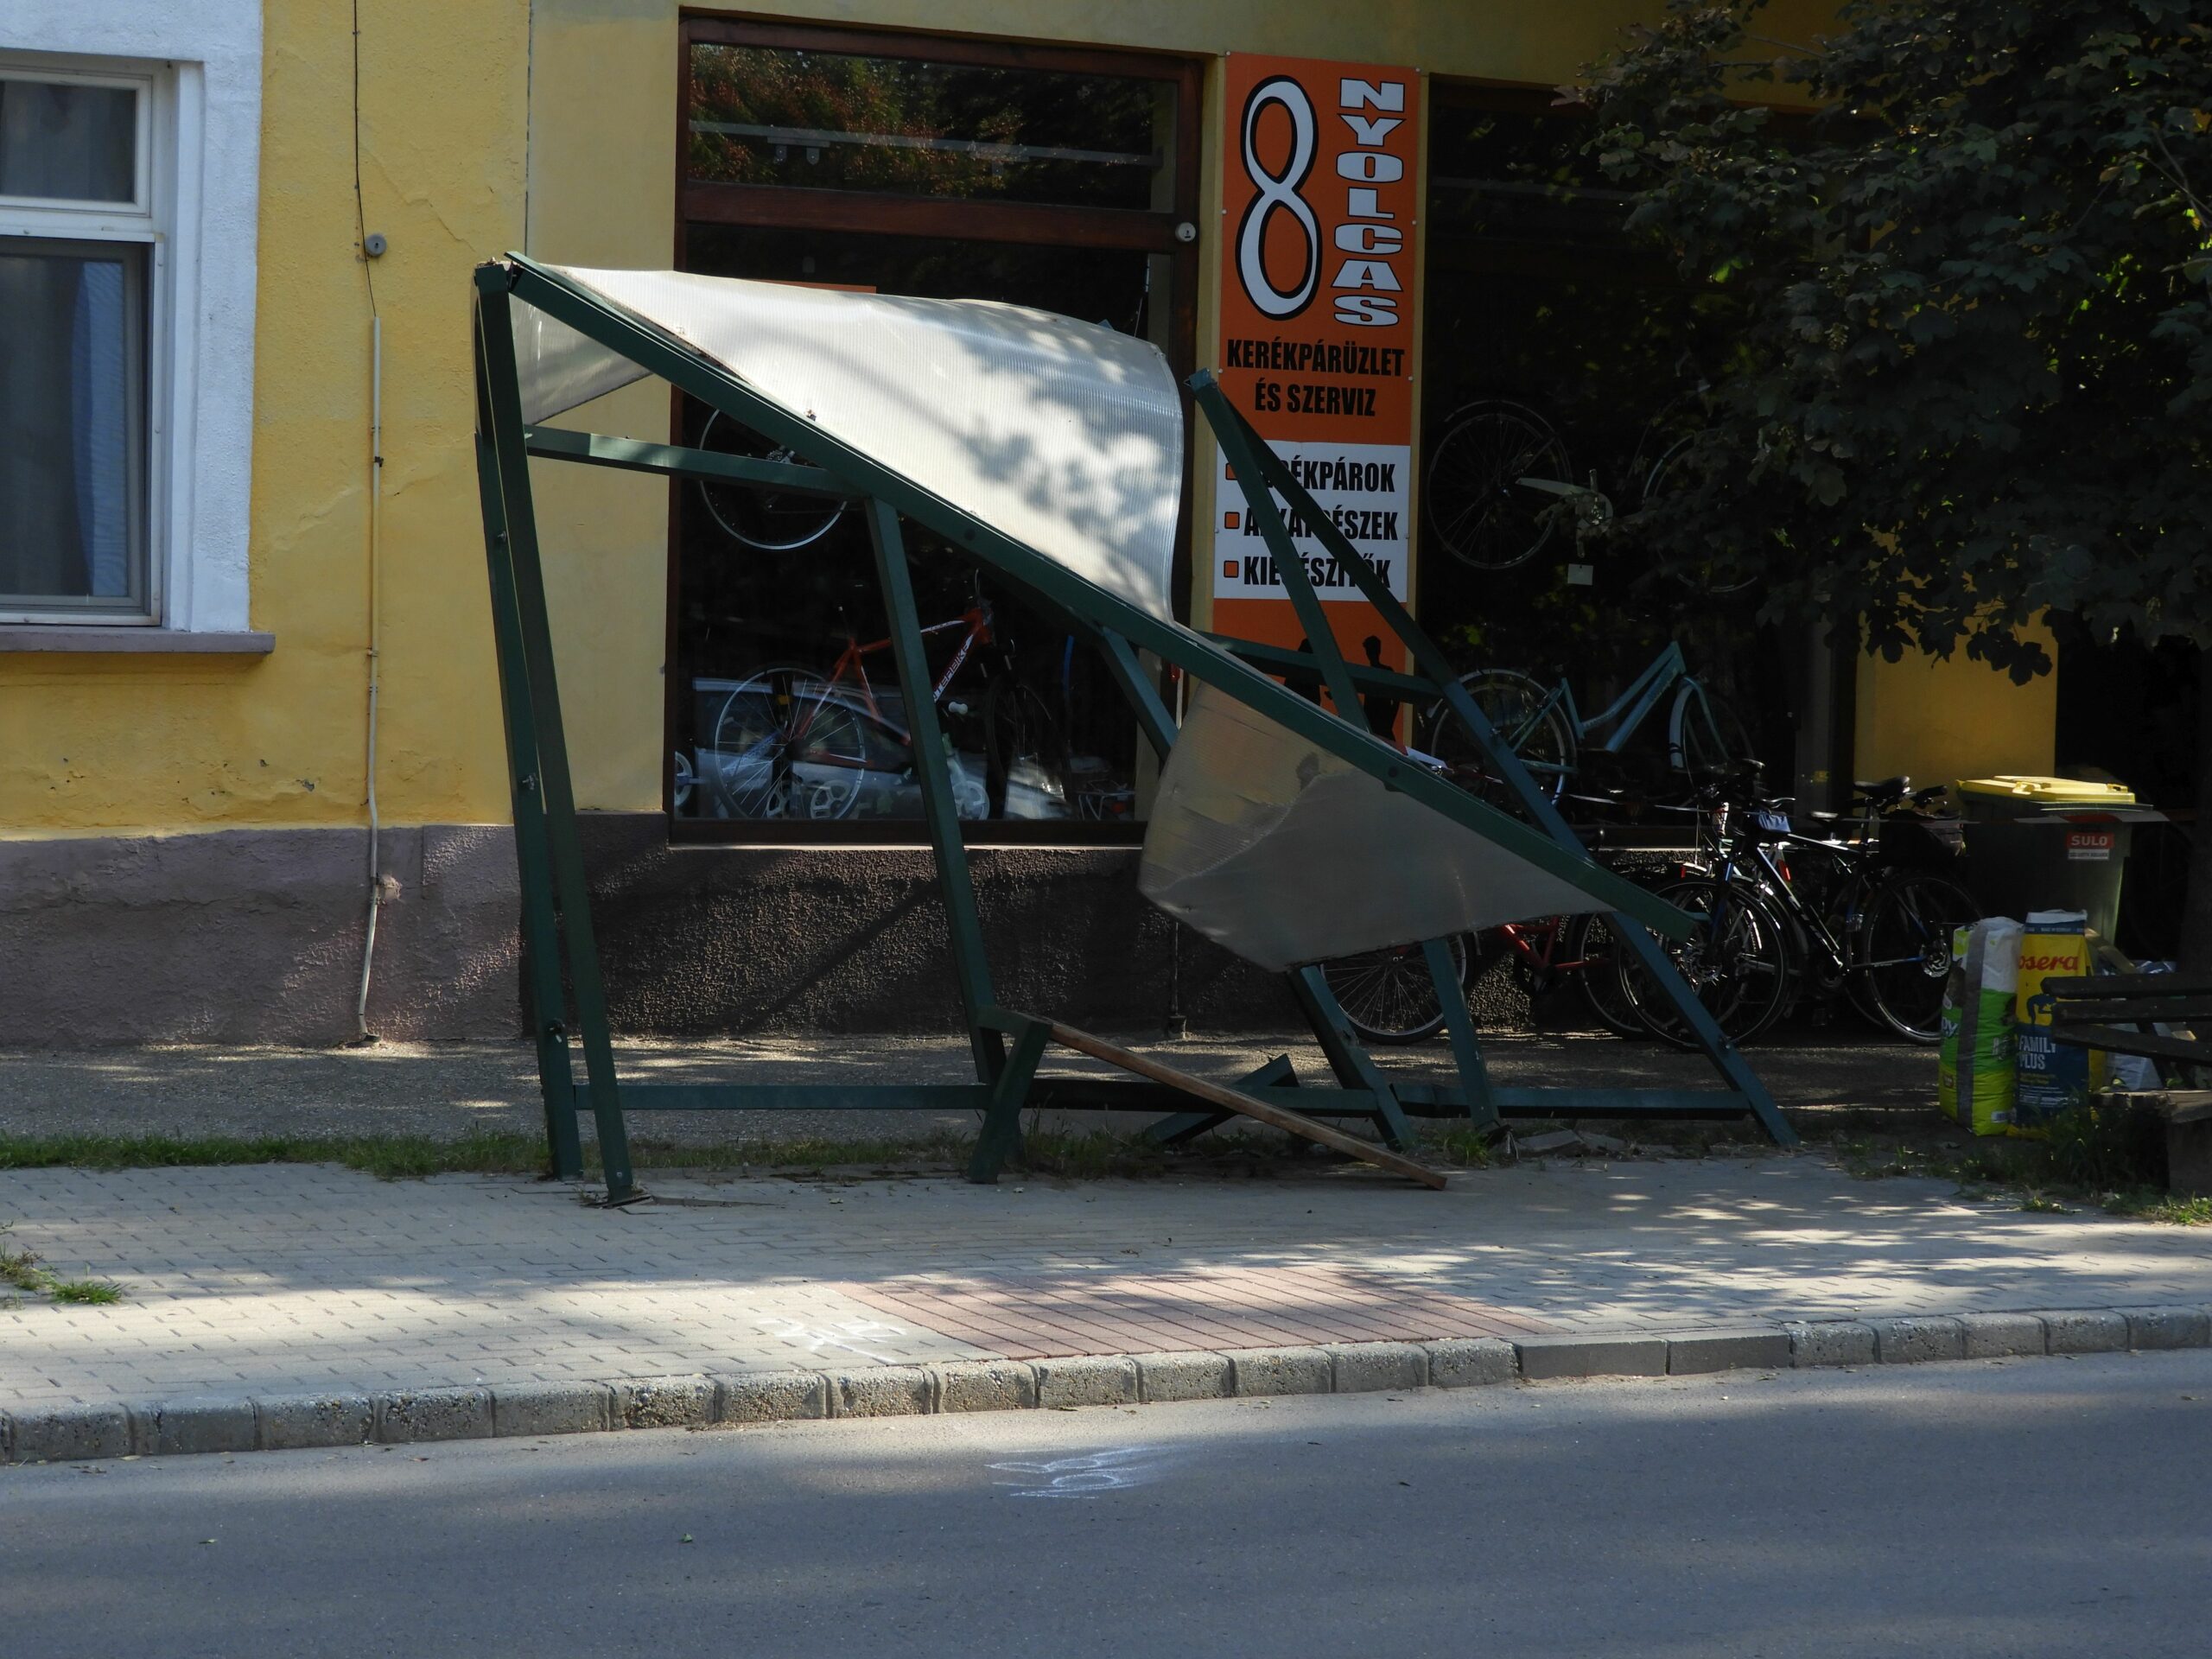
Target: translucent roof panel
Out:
[1065,435]
[1279,851]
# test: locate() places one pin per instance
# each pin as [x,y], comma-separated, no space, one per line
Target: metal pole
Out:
[540,931]
[926,741]
[495,339]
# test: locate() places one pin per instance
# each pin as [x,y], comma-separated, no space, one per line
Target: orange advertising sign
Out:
[1321,193]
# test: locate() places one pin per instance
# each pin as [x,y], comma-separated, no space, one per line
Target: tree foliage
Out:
[1972,376]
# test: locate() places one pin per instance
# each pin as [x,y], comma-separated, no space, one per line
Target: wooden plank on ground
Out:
[1246,1105]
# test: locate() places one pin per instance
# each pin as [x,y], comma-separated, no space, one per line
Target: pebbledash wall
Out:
[185,810]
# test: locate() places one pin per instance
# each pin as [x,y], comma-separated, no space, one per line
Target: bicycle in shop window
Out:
[791,741]
[1546,728]
[1500,487]
[759,516]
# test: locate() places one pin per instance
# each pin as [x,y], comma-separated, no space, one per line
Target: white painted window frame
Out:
[143,222]
[200,61]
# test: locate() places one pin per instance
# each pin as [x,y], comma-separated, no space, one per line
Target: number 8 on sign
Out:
[1279,191]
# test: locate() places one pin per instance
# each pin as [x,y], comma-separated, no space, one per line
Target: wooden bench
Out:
[2154,1015]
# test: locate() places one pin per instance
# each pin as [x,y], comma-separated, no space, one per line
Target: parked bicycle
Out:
[1550,733]
[1870,919]
[791,741]
[1389,996]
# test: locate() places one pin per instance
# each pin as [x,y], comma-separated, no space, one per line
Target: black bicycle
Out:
[1869,918]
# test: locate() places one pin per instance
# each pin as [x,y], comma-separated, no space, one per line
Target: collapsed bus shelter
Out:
[1049,453]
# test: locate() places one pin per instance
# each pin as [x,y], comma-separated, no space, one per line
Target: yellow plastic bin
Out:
[2047,843]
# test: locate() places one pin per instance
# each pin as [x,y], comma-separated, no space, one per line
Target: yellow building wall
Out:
[118,743]
[500,123]
[1937,721]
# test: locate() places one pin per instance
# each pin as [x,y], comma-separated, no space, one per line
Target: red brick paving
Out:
[1040,1314]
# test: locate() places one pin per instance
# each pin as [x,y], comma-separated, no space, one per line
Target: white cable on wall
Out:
[372,248]
[361,1033]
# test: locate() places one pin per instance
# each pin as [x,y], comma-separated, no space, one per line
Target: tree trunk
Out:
[2196,909]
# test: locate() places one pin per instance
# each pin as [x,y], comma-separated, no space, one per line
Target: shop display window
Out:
[934,169]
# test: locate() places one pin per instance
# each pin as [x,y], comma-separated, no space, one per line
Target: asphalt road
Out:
[2040,1507]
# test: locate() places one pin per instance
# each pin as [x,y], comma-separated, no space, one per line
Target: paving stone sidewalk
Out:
[287,1279]
[447,1089]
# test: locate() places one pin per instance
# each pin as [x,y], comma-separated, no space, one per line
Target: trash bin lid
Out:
[2044,791]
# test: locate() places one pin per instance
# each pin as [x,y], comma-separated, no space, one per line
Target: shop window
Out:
[77,224]
[839,121]
[1555,346]
[936,168]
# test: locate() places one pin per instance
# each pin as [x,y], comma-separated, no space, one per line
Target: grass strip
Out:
[1090,1155]
[21,1270]
[2110,1157]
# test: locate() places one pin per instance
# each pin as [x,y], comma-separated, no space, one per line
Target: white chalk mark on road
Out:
[1086,1476]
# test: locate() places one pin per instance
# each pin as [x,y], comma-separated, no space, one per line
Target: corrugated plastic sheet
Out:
[1066,435]
[1281,853]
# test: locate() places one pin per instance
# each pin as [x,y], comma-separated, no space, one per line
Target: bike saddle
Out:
[1883,791]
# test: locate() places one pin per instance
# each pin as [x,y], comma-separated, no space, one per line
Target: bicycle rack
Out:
[555,900]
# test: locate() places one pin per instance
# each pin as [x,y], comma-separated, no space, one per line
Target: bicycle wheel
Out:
[772,520]
[1593,946]
[1477,506]
[1710,741]
[1903,954]
[789,745]
[1736,962]
[1528,720]
[1387,994]
[1716,575]
[1025,755]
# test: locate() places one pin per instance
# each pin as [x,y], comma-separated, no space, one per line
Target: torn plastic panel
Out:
[1283,853]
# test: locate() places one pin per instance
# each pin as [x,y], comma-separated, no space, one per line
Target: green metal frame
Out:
[1005,1046]
[1261,472]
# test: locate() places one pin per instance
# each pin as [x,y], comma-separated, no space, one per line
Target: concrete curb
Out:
[77,1434]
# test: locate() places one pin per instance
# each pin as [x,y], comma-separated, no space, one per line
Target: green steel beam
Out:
[925,742]
[1513,1104]
[1459,1025]
[999,1137]
[628,455]
[1241,444]
[660,353]
[1173,1131]
[557,1083]
[1266,469]
[1354,1066]
[549,775]
[805,1097]
[1143,696]
[1299,666]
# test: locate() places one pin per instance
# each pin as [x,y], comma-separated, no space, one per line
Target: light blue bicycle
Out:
[1549,732]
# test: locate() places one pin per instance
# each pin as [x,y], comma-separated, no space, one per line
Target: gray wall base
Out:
[254,936]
